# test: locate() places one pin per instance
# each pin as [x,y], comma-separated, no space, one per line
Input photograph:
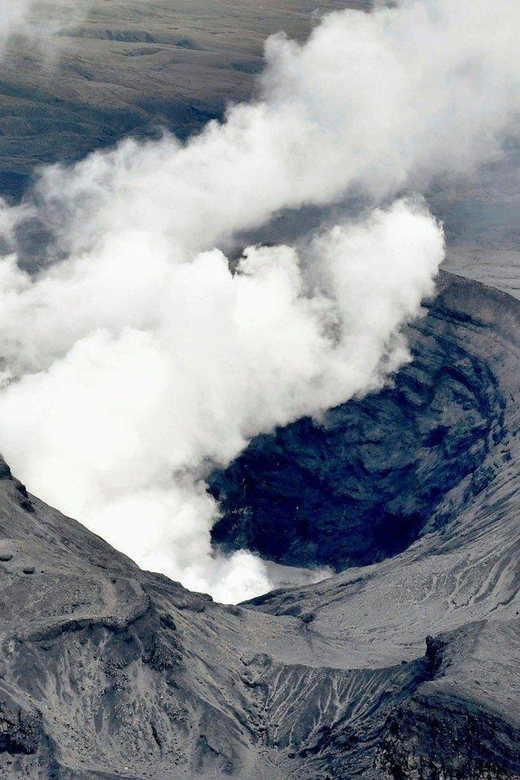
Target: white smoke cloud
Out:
[37,18]
[14,18]
[142,358]
[376,102]
[137,368]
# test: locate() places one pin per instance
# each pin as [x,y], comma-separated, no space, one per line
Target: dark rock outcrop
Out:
[20,726]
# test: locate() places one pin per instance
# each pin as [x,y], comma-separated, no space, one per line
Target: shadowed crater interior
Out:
[363,484]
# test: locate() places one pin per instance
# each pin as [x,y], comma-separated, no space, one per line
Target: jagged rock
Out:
[20,727]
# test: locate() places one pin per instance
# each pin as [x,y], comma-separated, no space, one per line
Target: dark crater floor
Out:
[362,484]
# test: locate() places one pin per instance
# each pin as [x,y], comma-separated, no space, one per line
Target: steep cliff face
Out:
[109,672]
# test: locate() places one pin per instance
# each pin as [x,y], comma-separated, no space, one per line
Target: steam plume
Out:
[142,358]
[35,18]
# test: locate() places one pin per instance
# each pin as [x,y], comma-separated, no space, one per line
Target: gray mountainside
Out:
[408,667]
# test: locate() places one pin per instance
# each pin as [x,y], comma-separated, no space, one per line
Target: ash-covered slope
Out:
[110,672]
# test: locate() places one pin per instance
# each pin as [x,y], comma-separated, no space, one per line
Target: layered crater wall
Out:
[363,483]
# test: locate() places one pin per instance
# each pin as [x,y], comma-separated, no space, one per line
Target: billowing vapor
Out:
[34,18]
[142,358]
[139,367]
[14,18]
